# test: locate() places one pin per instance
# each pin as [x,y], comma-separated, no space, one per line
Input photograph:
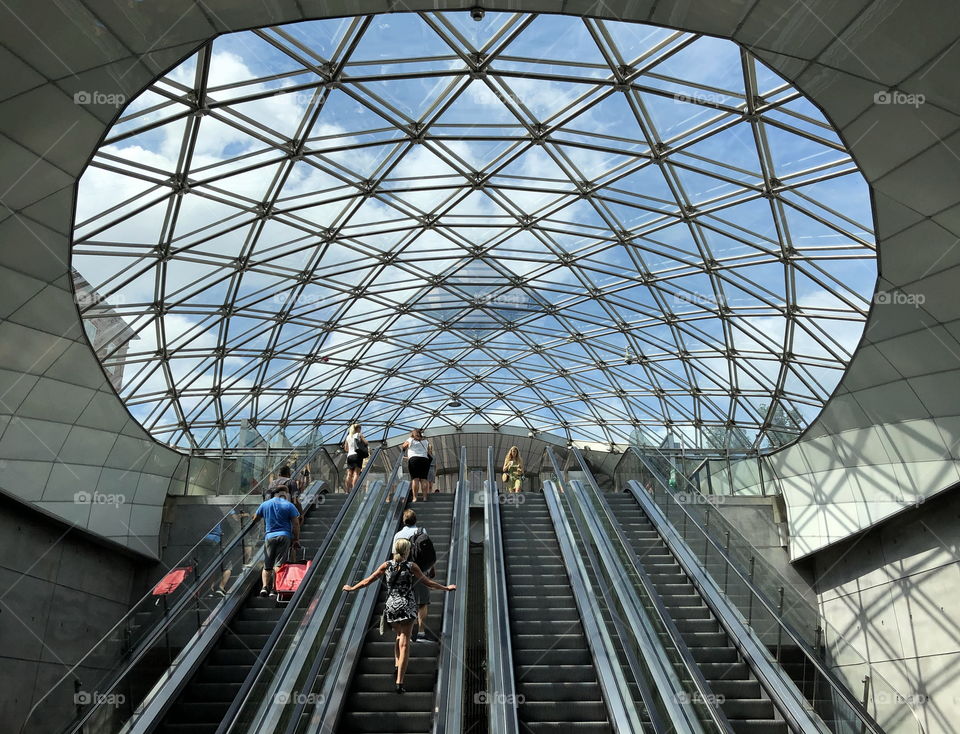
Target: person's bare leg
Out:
[422,619]
[396,652]
[224,579]
[267,577]
[403,644]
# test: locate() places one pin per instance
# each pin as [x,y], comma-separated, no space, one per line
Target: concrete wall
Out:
[59,592]
[892,595]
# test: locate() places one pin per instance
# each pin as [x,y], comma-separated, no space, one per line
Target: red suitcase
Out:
[169,583]
[288,577]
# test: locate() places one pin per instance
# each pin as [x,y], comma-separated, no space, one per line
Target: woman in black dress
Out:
[400,610]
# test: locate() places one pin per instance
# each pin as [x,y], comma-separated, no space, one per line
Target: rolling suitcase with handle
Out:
[289,576]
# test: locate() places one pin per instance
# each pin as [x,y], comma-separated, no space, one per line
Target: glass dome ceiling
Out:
[607,231]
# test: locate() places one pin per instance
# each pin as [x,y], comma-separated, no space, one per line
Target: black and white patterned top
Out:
[400,606]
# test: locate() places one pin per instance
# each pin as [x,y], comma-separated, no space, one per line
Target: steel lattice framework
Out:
[596,229]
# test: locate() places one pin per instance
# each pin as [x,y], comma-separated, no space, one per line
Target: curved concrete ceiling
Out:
[883,73]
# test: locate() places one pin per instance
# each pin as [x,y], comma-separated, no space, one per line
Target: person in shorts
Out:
[281,532]
[418,462]
[354,460]
[421,592]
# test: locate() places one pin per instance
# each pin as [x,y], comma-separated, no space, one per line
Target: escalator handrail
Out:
[621,708]
[838,687]
[663,614]
[185,597]
[298,598]
[786,697]
[343,662]
[157,706]
[703,692]
[651,649]
[501,685]
[450,671]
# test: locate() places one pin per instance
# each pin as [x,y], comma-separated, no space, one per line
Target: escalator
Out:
[349,679]
[731,639]
[747,707]
[372,705]
[553,667]
[208,695]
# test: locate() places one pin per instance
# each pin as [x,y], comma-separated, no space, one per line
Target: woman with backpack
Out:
[355,447]
[400,609]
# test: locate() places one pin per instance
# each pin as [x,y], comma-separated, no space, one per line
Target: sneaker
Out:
[264,592]
[273,594]
[221,593]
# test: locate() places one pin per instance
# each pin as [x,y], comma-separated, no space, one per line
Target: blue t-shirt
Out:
[278,515]
[216,535]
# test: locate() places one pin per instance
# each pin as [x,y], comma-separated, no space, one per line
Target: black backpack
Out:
[363,452]
[422,551]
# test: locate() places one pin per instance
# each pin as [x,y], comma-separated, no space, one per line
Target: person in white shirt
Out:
[418,462]
[354,461]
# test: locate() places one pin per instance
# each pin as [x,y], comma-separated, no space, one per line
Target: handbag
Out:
[504,477]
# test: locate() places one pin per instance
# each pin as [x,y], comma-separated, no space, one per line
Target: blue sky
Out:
[214,224]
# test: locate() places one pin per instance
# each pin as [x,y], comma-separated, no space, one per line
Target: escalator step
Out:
[554,673]
[224,673]
[364,721]
[384,682]
[569,711]
[374,702]
[211,692]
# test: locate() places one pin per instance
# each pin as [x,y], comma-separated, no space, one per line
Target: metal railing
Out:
[158,702]
[263,703]
[165,622]
[328,701]
[501,687]
[663,636]
[835,702]
[621,708]
[449,697]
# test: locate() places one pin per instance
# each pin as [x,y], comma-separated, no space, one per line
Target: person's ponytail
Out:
[401,550]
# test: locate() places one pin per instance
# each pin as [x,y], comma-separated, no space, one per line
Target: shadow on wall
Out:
[62,591]
[892,593]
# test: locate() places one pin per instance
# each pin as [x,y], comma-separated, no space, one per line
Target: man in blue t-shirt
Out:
[281,530]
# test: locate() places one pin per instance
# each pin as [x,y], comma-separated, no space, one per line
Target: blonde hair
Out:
[401,550]
[514,455]
[354,428]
